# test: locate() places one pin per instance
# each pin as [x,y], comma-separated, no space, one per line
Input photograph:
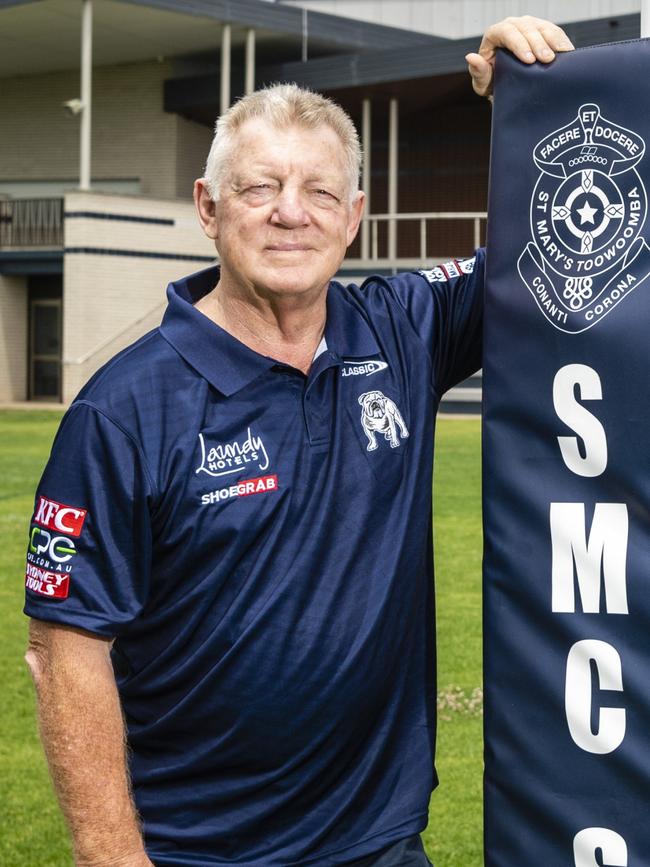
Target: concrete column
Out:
[366,144]
[13,338]
[250,61]
[86,93]
[393,142]
[305,35]
[645,18]
[226,34]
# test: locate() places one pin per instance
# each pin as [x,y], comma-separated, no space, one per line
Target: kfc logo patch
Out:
[59,517]
[55,585]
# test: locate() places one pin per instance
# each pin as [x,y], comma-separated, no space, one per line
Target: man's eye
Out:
[325,194]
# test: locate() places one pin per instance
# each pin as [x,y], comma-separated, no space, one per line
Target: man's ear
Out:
[206,209]
[356,212]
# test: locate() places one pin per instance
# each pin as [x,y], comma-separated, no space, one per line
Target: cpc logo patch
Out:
[586,214]
[59,517]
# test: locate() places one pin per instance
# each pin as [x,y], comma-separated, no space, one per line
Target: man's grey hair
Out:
[281,105]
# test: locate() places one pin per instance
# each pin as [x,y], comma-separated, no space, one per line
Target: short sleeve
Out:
[445,307]
[89,547]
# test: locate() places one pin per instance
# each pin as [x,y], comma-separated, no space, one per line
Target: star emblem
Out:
[586,214]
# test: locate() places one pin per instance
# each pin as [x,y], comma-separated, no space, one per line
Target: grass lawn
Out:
[33,833]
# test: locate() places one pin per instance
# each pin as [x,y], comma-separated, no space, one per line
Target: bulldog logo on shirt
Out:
[380,415]
[586,215]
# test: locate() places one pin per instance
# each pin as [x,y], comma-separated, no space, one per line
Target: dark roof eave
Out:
[424,61]
[288,20]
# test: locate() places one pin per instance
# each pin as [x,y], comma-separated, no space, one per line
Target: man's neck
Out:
[286,329]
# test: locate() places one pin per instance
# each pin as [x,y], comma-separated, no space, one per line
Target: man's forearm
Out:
[82,730]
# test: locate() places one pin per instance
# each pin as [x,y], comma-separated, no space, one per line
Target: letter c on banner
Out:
[580,419]
[577,697]
[611,844]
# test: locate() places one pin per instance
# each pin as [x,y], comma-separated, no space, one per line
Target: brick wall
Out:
[132,137]
[116,271]
[193,144]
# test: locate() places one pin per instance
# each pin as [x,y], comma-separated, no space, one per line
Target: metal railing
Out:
[370,242]
[31,223]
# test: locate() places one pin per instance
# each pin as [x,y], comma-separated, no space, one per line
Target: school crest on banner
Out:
[587,213]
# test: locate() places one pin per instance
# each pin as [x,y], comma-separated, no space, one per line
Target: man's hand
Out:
[528,38]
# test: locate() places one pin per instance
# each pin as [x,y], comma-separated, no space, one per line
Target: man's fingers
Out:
[507,34]
[481,71]
[527,37]
[556,37]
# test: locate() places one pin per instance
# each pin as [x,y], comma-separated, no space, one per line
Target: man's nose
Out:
[290,209]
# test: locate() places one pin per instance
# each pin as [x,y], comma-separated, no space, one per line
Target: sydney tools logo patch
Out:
[586,215]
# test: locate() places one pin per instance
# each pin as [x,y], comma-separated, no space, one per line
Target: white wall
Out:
[110,300]
[457,18]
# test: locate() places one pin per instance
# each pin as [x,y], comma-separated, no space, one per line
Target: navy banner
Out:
[567,463]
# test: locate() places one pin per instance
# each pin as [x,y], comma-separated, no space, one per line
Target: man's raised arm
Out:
[82,731]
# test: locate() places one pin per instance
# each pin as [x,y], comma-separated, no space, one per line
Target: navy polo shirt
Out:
[259,543]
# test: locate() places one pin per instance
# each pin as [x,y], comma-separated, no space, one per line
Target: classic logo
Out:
[362,368]
[380,415]
[586,215]
[226,458]
[56,585]
[59,517]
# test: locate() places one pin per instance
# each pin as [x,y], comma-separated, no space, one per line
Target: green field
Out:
[33,834]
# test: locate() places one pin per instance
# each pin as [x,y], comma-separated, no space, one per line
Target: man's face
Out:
[284,218]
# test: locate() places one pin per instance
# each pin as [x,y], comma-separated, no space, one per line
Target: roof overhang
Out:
[38,36]
[424,75]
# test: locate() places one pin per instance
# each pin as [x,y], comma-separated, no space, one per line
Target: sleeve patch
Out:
[449,270]
[54,585]
[59,517]
[49,562]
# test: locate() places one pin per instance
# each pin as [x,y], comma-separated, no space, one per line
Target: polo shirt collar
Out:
[228,364]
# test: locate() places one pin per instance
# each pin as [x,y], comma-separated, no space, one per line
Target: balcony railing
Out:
[31,223]
[406,240]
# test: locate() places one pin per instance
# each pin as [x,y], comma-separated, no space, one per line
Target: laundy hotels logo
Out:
[222,459]
[586,215]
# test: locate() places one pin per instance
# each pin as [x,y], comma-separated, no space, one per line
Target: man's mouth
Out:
[288,248]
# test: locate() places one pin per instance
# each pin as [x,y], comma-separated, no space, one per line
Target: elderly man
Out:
[230,555]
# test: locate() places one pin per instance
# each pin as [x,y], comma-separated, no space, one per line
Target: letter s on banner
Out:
[581,420]
[611,844]
[611,726]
